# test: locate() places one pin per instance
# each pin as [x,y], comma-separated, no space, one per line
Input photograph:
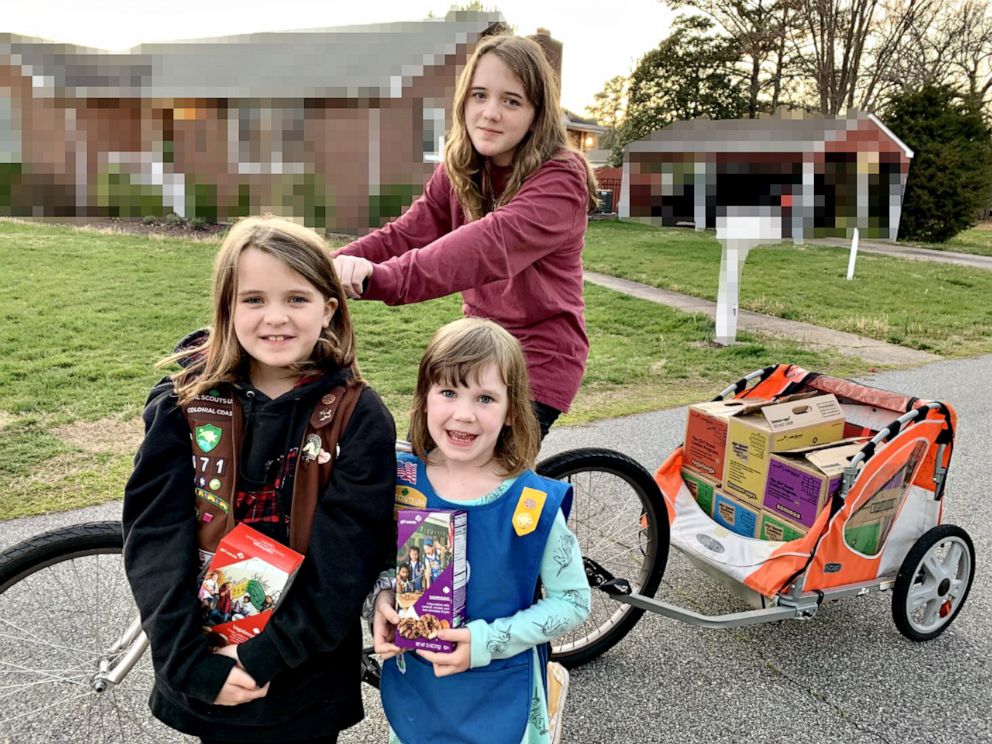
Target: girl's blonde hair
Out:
[547,138]
[462,350]
[219,358]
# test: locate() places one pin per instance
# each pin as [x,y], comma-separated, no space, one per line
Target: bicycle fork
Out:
[115,665]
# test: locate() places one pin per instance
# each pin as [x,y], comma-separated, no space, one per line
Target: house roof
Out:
[375,61]
[574,121]
[757,135]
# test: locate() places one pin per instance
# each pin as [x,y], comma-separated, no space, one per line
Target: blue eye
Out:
[298,299]
[447,393]
[486,399]
[252,300]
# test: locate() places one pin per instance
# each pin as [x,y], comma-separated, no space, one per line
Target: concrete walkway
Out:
[869,349]
[911,252]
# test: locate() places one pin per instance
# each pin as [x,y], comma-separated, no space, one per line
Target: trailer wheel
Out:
[933,582]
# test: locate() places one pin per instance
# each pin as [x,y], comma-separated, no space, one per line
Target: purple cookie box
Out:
[445,599]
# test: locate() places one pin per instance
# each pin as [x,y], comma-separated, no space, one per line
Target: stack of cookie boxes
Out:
[765,469]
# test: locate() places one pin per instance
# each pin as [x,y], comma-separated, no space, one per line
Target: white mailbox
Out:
[739,230]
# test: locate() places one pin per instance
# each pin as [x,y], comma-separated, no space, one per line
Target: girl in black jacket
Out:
[275,372]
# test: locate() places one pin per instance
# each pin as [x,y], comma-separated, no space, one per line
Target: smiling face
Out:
[278,317]
[498,114]
[465,421]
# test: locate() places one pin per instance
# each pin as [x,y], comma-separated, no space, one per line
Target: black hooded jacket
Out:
[310,649]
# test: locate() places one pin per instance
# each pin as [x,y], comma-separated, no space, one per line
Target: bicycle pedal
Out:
[596,575]
[616,587]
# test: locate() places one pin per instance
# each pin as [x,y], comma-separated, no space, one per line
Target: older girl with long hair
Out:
[502,220]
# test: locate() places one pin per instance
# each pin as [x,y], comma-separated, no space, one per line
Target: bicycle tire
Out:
[610,490]
[64,601]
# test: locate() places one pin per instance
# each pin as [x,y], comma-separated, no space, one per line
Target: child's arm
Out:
[566,605]
[547,214]
[427,219]
[352,528]
[160,552]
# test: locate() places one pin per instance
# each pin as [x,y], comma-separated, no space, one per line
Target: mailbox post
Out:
[739,230]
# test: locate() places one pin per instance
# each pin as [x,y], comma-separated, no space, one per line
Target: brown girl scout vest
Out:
[215,424]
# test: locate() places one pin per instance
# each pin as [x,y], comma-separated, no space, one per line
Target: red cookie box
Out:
[244,584]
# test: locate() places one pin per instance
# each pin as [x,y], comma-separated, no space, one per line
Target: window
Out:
[267,139]
[433,139]
[10,129]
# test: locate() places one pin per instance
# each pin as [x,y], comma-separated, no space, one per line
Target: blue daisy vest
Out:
[489,705]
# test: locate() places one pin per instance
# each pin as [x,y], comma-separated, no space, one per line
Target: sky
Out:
[600,39]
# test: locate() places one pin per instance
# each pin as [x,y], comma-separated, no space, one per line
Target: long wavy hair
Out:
[460,351]
[219,358]
[546,140]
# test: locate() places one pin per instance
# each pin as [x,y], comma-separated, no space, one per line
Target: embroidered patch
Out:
[410,498]
[528,511]
[214,484]
[207,437]
[323,456]
[407,472]
[213,500]
[328,399]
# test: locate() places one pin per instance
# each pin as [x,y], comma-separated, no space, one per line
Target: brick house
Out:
[341,127]
[826,175]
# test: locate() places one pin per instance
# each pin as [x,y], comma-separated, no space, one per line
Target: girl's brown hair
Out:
[462,350]
[546,140]
[220,357]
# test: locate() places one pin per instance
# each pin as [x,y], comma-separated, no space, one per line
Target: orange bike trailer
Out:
[880,530]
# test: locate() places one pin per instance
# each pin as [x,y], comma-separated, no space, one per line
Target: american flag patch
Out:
[407,471]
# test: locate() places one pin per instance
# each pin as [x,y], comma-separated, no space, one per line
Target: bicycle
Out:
[86,667]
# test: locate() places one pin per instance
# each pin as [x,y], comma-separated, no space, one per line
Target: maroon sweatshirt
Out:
[520,266]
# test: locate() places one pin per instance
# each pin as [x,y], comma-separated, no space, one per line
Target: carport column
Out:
[623,208]
[895,203]
[804,213]
[864,166]
[699,189]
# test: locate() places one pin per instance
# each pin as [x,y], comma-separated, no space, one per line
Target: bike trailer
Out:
[892,490]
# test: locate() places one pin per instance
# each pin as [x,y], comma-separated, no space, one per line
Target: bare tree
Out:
[972,55]
[850,45]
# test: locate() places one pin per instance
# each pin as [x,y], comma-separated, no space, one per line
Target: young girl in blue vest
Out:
[502,220]
[244,434]
[475,439]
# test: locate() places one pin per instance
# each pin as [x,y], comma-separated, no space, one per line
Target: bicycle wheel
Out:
[615,516]
[64,602]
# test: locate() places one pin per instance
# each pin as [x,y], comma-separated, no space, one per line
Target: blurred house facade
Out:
[340,127]
[825,175]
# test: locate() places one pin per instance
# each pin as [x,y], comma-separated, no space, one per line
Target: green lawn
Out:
[85,316]
[930,306]
[976,240]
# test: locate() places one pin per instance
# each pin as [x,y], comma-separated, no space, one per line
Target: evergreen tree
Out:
[950,176]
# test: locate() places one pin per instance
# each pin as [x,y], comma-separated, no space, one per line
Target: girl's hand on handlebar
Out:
[353,271]
[240,688]
[384,622]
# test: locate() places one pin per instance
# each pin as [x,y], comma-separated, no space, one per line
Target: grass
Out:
[976,240]
[85,315]
[922,305]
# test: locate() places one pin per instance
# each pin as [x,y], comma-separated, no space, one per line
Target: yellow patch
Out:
[408,497]
[528,511]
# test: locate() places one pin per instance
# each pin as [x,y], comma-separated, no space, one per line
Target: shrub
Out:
[950,177]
